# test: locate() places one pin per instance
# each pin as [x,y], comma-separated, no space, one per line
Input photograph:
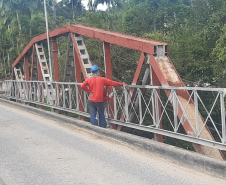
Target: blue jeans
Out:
[99,107]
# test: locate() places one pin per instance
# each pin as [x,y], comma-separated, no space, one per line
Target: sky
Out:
[99,7]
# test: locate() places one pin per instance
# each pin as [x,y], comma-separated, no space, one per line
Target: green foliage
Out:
[195,31]
[218,55]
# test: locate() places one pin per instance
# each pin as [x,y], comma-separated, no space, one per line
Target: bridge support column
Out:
[55,60]
[56,68]
[26,68]
[40,78]
[27,78]
[78,77]
[108,74]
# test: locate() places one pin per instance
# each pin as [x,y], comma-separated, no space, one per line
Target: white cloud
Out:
[85,3]
[99,7]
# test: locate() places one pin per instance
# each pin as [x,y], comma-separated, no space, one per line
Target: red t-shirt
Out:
[96,87]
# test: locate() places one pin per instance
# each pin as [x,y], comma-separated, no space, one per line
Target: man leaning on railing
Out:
[95,87]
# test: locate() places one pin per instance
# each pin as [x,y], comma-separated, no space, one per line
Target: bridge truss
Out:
[141,107]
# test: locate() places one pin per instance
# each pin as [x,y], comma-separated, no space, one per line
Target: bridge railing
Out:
[155,109]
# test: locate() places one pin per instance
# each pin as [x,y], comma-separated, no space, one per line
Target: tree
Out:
[219,59]
[74,6]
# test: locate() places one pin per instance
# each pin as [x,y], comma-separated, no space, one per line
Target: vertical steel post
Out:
[77,98]
[26,75]
[70,94]
[126,105]
[32,60]
[63,96]
[26,68]
[175,110]
[196,112]
[157,109]
[115,104]
[222,95]
[108,74]
[140,105]
[40,78]
[85,101]
[78,75]
[55,60]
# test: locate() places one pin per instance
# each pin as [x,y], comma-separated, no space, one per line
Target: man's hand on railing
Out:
[126,86]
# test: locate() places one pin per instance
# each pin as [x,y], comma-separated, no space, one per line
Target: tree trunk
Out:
[18,20]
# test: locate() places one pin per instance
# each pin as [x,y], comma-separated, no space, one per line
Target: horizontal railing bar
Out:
[138,86]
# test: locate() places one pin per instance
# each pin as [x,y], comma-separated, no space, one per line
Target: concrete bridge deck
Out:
[40,147]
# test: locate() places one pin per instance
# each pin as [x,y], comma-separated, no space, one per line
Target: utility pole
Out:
[47,32]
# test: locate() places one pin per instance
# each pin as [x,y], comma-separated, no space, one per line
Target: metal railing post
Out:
[77,98]
[126,105]
[175,110]
[115,103]
[140,106]
[196,112]
[222,95]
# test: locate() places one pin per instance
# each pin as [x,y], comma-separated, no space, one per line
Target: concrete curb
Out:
[176,155]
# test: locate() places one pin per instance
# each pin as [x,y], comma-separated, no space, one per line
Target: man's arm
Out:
[113,83]
[83,86]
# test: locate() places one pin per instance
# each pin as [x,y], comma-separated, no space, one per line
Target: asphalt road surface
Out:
[39,151]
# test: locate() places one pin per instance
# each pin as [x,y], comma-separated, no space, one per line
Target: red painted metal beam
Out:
[32,60]
[78,67]
[136,43]
[55,60]
[78,59]
[56,68]
[138,70]
[108,74]
[26,68]
[107,60]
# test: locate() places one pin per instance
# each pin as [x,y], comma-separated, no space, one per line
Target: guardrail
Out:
[144,108]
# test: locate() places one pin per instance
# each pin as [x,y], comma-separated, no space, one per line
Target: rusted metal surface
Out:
[171,78]
[168,71]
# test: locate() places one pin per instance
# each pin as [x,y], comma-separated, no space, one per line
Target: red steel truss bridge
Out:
[156,102]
